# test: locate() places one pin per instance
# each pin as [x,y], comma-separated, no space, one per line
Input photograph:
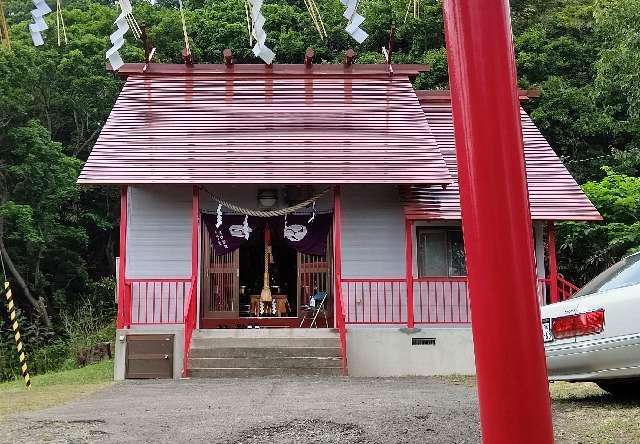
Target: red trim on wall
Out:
[409,273]
[195,214]
[553,262]
[124,308]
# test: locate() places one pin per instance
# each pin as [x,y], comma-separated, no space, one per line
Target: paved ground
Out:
[296,410]
[306,410]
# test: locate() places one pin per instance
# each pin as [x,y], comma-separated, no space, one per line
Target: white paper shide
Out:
[354,21]
[39,25]
[117,37]
[257,20]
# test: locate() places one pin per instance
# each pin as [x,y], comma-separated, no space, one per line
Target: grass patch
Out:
[587,414]
[54,388]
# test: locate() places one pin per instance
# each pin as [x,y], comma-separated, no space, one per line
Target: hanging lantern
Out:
[267,198]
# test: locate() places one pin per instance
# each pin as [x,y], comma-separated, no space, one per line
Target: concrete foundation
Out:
[374,352]
[393,352]
[119,358]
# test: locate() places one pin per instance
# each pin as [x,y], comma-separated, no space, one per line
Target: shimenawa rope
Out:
[267,213]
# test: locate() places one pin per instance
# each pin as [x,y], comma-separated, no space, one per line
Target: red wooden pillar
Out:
[124,303]
[195,212]
[339,315]
[510,361]
[409,271]
[337,252]
[553,262]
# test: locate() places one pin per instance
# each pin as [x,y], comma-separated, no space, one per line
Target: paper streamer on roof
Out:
[39,25]
[257,20]
[123,22]
[354,21]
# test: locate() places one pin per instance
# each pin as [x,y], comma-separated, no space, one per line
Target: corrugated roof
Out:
[239,129]
[553,193]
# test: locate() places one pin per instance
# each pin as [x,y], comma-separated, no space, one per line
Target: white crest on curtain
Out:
[354,21]
[257,21]
[295,233]
[239,231]
[39,25]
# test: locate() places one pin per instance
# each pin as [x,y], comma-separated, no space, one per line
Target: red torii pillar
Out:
[510,361]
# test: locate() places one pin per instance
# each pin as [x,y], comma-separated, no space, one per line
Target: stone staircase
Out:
[228,353]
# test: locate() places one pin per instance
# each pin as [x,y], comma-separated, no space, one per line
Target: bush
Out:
[47,351]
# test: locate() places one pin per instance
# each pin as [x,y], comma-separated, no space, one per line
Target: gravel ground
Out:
[308,410]
[266,410]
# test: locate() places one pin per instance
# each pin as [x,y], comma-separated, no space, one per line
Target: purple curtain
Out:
[300,234]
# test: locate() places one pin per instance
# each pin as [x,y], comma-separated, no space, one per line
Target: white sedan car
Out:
[595,335]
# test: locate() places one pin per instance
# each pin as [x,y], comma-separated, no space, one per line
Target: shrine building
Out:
[300,219]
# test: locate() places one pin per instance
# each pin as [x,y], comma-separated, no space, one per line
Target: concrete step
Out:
[264,352]
[264,333]
[290,362]
[259,372]
[256,342]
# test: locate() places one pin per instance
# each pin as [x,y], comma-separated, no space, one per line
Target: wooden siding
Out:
[372,232]
[159,232]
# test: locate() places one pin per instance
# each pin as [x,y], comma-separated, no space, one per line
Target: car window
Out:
[622,274]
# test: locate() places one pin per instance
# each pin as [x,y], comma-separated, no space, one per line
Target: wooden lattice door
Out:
[221,283]
[314,272]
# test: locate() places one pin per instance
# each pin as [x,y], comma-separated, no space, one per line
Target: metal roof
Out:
[223,128]
[553,193]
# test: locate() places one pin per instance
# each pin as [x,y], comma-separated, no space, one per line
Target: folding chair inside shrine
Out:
[317,306]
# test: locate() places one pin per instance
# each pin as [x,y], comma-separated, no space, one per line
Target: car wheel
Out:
[628,389]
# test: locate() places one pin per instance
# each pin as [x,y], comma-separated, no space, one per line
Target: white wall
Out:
[389,352]
[373,243]
[159,231]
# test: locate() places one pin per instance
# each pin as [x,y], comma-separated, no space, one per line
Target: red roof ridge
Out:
[276,70]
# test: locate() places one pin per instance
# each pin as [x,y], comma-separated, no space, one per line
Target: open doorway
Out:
[282,276]
[232,283]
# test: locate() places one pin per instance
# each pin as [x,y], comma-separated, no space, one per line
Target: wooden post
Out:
[553,262]
[124,307]
[409,271]
[195,213]
[349,57]
[228,57]
[308,57]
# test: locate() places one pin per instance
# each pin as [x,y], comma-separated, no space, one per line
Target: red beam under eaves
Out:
[444,95]
[261,70]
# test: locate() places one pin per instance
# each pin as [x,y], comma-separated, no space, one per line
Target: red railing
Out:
[189,325]
[154,301]
[342,329]
[374,301]
[436,300]
[441,300]
[565,290]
